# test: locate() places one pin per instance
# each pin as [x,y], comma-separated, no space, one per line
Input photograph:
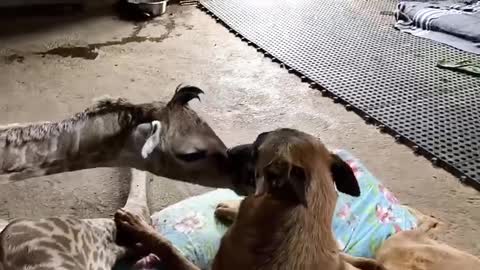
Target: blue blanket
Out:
[360,224]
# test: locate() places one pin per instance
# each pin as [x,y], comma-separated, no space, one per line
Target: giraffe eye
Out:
[191,157]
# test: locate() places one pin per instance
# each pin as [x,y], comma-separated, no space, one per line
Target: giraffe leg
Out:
[137,201]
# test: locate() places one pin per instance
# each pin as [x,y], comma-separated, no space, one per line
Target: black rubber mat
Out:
[349,50]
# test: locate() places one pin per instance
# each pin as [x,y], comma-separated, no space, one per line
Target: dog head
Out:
[286,163]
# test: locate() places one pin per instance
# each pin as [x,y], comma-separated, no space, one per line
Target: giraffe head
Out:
[178,144]
[165,138]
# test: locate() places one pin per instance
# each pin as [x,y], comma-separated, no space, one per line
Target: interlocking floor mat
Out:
[350,51]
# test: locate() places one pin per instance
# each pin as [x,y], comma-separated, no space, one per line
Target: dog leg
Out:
[228,210]
[141,232]
[426,224]
[361,263]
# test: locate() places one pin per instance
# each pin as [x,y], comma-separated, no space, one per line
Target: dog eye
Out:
[271,175]
[254,154]
[191,157]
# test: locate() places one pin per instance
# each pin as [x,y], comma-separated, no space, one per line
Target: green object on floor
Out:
[465,66]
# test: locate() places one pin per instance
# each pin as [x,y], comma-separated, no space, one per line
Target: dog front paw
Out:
[227,210]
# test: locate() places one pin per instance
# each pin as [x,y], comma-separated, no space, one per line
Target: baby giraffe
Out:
[287,223]
[164,138]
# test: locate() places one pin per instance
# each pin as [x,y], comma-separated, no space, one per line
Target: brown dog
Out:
[416,250]
[287,223]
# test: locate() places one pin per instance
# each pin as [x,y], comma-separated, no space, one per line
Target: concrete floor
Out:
[246,94]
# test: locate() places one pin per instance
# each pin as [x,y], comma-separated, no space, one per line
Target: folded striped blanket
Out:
[455,23]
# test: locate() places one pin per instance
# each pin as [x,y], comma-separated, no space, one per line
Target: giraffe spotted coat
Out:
[60,243]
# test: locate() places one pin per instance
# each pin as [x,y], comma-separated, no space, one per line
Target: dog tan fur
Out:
[408,250]
[287,223]
[417,250]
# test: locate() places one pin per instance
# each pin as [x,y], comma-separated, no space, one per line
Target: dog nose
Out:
[241,151]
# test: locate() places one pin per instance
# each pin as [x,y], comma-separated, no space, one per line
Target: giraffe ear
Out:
[153,140]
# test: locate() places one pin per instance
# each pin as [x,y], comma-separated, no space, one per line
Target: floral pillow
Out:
[360,224]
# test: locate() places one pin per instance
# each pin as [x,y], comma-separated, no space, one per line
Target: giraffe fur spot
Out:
[20,227]
[45,226]
[88,238]
[22,237]
[68,266]
[63,241]
[30,257]
[50,245]
[66,258]
[80,257]
[86,248]
[62,225]
[75,235]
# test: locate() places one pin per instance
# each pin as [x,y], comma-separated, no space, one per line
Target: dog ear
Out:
[344,177]
[287,181]
[185,93]
[260,139]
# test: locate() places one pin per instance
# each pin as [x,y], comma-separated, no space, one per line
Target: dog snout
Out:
[241,165]
[240,152]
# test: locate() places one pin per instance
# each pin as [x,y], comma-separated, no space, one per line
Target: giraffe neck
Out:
[87,140]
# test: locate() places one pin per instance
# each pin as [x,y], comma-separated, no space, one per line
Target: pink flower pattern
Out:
[385,215]
[355,168]
[190,223]
[389,195]
[345,213]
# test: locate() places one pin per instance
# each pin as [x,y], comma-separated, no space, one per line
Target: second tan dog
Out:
[287,223]
[417,250]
